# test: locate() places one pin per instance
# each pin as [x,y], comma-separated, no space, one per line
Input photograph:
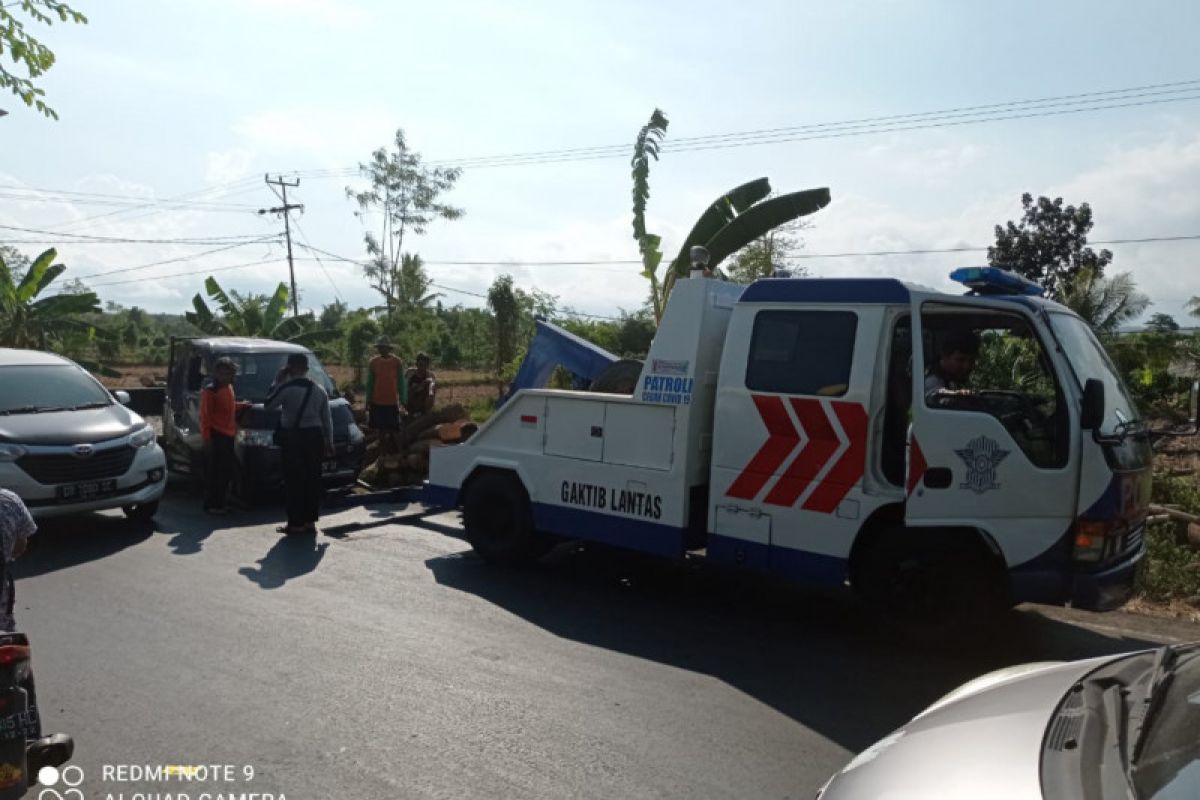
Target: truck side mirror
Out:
[1091,416]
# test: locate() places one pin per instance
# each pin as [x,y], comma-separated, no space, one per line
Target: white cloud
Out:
[340,14]
[227,165]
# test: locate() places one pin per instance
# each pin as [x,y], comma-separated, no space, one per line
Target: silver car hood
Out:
[981,741]
[89,426]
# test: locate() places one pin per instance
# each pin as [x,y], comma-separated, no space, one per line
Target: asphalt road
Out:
[382,660]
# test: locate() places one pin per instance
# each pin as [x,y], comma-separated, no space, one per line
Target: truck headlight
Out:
[143,437]
[11,452]
[253,437]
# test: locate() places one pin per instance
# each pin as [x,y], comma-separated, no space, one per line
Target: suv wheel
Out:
[142,512]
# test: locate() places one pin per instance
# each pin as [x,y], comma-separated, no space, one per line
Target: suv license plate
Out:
[88,490]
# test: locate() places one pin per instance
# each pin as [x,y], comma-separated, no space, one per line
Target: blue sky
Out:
[158,99]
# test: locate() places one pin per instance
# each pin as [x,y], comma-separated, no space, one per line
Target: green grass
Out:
[481,408]
[1171,569]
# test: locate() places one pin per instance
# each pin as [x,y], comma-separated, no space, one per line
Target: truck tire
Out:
[620,377]
[931,586]
[498,520]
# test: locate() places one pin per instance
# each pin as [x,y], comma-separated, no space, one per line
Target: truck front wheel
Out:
[498,520]
[931,586]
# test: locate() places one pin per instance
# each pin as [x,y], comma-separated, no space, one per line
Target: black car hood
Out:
[89,426]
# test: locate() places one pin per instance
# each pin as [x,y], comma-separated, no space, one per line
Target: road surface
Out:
[382,660]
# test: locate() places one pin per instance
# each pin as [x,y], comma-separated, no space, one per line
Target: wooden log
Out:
[1174,513]
[415,426]
[1193,534]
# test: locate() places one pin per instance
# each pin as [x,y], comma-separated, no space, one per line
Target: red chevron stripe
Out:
[849,468]
[781,440]
[916,465]
[822,442]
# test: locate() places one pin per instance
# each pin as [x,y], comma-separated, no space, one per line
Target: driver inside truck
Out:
[949,374]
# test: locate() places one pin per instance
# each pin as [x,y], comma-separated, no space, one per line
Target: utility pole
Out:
[287,229]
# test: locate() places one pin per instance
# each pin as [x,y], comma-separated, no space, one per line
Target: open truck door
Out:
[992,450]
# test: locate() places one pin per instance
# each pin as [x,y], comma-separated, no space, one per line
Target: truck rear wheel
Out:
[929,585]
[499,520]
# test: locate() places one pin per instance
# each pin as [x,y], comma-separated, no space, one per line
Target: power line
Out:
[85,238]
[190,257]
[194,272]
[320,263]
[1150,94]
[63,196]
[861,253]
[225,189]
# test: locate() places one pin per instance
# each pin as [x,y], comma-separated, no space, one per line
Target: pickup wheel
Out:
[499,520]
[931,587]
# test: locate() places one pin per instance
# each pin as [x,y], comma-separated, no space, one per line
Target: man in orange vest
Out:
[387,393]
[218,427]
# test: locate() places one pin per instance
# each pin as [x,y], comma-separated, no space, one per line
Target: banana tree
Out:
[732,221]
[46,323]
[255,316]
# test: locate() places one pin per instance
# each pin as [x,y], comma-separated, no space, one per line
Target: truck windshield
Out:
[256,372]
[1089,360]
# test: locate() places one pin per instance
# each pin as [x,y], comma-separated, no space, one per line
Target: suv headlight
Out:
[11,452]
[252,437]
[143,437]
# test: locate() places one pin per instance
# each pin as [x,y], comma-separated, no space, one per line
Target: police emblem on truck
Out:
[981,455]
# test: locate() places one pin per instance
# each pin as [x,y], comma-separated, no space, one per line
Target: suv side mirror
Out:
[1091,416]
[122,397]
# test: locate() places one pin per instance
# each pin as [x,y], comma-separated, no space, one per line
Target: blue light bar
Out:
[993,280]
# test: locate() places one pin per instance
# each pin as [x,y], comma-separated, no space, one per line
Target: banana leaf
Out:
[762,219]
[224,302]
[61,305]
[719,213]
[276,308]
[32,282]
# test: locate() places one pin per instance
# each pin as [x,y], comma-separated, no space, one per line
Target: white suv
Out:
[67,447]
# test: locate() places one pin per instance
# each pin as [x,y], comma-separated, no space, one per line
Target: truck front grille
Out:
[51,469]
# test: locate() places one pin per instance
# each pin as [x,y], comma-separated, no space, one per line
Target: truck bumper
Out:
[1054,581]
[1109,588]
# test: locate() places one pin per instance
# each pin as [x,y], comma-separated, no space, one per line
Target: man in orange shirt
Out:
[218,427]
[386,394]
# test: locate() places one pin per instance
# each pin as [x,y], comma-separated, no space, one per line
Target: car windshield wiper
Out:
[30,409]
[96,404]
[1156,686]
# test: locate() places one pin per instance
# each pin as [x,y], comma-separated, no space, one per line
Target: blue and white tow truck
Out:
[786,427]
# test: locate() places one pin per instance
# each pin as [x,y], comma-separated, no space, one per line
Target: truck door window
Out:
[992,362]
[802,352]
[898,404]
[195,373]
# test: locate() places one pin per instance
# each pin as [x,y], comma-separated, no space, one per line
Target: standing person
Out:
[307,429]
[218,427]
[422,386]
[16,526]
[387,393]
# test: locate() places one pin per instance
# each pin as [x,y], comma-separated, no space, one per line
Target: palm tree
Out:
[46,323]
[1193,306]
[412,285]
[1104,303]
[254,315]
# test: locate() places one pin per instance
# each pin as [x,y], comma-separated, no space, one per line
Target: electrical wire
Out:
[1150,94]
[195,272]
[190,257]
[96,239]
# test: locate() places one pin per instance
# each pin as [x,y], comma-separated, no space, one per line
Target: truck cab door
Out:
[993,453]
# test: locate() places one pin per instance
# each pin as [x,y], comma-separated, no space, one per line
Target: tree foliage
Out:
[412,286]
[26,52]
[1104,303]
[254,315]
[1049,244]
[768,253]
[646,148]
[405,193]
[30,321]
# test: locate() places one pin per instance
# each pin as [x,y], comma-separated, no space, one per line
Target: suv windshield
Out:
[30,389]
[1089,360]
[256,372]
